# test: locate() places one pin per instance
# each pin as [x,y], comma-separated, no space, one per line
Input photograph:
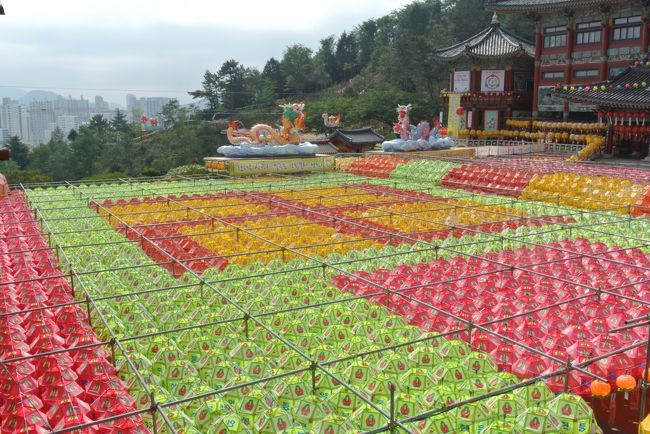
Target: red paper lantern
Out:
[460,111]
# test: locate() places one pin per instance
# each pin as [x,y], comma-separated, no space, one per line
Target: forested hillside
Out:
[361,73]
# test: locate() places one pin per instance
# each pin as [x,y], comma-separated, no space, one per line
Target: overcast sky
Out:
[158,47]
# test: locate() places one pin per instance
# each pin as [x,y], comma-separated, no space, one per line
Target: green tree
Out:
[260,88]
[210,91]
[24,176]
[466,18]
[72,135]
[170,113]
[366,40]
[232,81]
[19,152]
[346,56]
[85,150]
[327,57]
[98,123]
[297,67]
[273,72]
[54,158]
[119,122]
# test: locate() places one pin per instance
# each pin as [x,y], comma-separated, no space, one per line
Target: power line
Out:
[90,88]
[134,90]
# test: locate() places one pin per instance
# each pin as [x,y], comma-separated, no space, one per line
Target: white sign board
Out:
[493,80]
[461,81]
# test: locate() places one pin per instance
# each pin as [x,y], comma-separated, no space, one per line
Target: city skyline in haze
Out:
[158,48]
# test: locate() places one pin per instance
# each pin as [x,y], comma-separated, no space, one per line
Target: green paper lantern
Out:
[538,420]
[506,407]
[500,427]
[573,412]
[311,410]
[472,418]
[272,421]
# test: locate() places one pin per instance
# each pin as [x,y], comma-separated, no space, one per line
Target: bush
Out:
[25,177]
[190,169]
[150,171]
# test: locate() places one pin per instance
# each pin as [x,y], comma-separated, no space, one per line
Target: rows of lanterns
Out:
[602,87]
[577,134]
[624,383]
[628,125]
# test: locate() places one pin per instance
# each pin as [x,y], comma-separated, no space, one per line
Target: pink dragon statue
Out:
[403,125]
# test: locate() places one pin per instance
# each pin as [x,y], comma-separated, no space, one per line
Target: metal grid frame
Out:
[143,187]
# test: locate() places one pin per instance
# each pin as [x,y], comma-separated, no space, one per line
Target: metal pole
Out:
[644,379]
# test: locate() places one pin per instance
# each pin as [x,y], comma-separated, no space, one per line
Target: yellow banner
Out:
[284,165]
[455,122]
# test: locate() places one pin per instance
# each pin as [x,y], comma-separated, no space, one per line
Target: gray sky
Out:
[158,47]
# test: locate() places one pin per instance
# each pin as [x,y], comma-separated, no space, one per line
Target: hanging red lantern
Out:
[460,111]
[153,121]
[600,389]
[144,119]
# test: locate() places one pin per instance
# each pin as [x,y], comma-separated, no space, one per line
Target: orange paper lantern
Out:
[600,389]
[625,383]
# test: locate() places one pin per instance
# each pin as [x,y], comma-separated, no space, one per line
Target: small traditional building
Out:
[356,141]
[490,79]
[623,103]
[579,42]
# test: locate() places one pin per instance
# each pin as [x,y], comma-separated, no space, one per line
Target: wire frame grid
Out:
[309,262]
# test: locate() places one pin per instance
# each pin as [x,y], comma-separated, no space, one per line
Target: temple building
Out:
[622,103]
[578,42]
[490,79]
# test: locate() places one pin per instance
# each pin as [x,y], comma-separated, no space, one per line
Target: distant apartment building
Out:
[68,123]
[65,124]
[67,113]
[41,115]
[108,116]
[150,107]
[73,107]
[14,117]
[101,106]
[4,136]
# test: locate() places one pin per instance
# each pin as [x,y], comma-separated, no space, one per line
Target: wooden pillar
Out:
[645,35]
[568,70]
[509,78]
[476,79]
[604,47]
[570,40]
[537,74]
